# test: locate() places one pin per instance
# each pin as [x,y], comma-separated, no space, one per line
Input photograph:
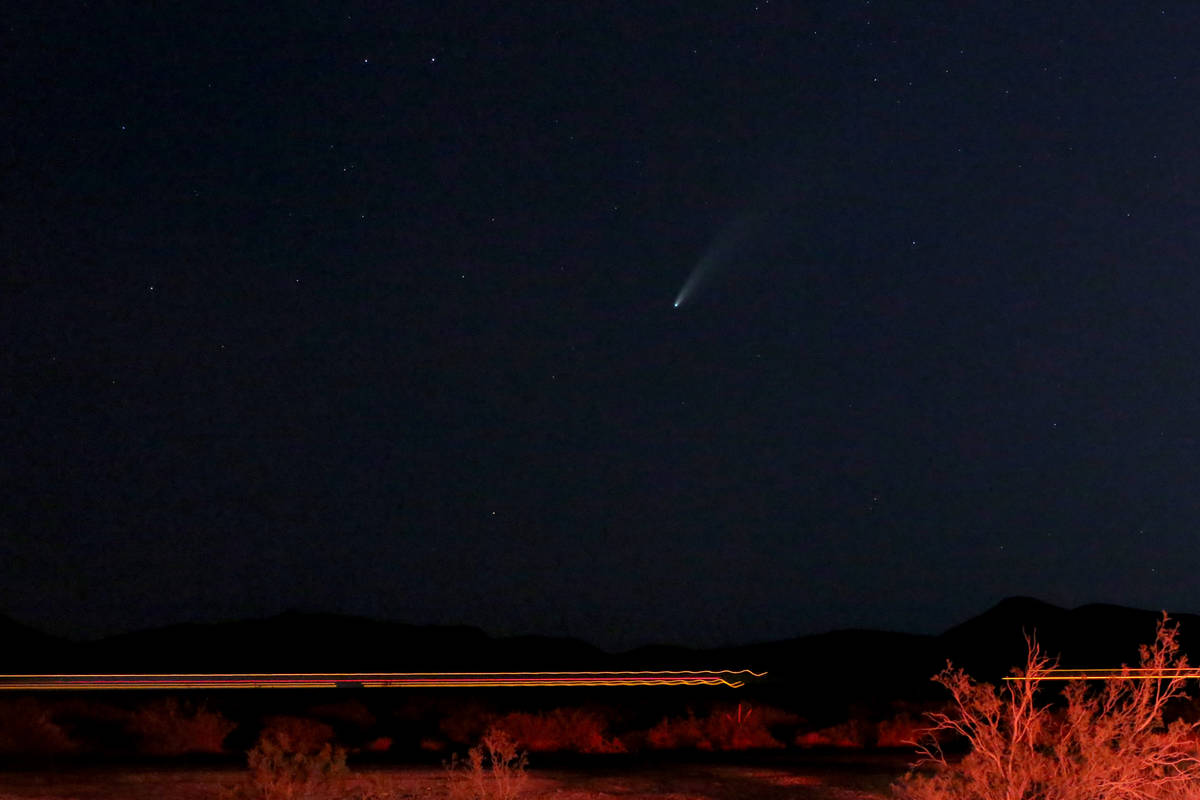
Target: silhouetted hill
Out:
[990,645]
[301,642]
[28,649]
[825,671]
[829,673]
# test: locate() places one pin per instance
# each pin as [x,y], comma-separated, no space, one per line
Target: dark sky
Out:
[368,307]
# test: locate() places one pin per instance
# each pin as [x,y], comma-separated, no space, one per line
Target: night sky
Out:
[370,308]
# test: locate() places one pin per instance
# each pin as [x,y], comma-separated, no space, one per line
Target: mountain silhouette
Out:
[863,667]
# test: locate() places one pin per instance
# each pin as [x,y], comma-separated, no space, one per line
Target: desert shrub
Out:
[168,728]
[493,770]
[380,744]
[350,712]
[302,734]
[572,729]
[1105,741]
[91,725]
[743,728]
[284,769]
[740,728]
[851,734]
[678,733]
[902,730]
[27,727]
[774,718]
[467,723]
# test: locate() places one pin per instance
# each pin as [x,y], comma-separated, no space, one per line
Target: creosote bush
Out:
[1103,740]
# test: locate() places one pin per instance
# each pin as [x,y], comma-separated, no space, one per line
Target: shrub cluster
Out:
[161,727]
[27,727]
[169,727]
[573,730]
[724,729]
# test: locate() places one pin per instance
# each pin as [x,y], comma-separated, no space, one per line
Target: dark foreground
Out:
[844,781]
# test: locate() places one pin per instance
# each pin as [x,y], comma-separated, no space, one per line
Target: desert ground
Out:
[864,781]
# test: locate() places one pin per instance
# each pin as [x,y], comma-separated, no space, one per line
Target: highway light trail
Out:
[394,680]
[1110,674]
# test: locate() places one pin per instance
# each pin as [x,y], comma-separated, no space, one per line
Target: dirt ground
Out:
[692,782]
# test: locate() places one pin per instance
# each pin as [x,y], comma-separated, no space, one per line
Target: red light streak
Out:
[407,680]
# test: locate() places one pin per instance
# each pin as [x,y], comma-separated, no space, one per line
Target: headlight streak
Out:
[405,680]
[1107,673]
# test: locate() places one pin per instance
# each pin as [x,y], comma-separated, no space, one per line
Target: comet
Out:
[727,247]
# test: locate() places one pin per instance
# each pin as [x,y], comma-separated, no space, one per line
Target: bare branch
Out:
[1106,742]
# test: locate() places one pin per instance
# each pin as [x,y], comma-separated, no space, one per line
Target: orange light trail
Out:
[396,680]
[1106,674]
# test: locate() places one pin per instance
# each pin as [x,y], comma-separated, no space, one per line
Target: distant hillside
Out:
[860,666]
[23,648]
[1097,635]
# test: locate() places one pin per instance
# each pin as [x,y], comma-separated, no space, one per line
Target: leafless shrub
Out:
[493,770]
[1105,742]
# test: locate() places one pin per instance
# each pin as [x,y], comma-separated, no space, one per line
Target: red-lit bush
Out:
[298,733]
[852,734]
[27,727]
[902,730]
[565,729]
[348,712]
[467,723]
[281,769]
[169,728]
[736,728]
[743,728]
[380,744]
[292,760]
[678,733]
[1103,741]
